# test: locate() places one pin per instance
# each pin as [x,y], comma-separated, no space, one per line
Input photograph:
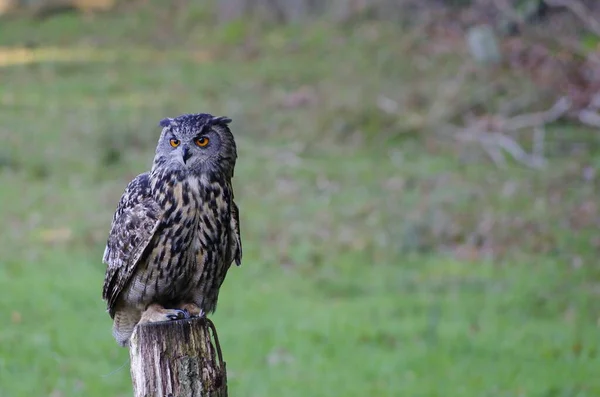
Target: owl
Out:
[176,230]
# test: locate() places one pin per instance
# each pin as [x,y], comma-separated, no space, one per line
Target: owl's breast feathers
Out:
[188,226]
[203,223]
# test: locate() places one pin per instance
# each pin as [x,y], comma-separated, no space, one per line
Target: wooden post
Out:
[177,359]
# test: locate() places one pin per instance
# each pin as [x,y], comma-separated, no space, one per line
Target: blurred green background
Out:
[401,236]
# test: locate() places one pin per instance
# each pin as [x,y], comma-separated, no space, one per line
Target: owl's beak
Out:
[185,153]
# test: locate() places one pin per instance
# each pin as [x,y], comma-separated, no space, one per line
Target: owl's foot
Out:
[178,315]
[156,313]
[193,309]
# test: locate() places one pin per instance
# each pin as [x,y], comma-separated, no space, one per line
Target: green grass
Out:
[360,275]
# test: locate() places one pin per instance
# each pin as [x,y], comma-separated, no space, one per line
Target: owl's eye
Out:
[202,141]
[174,142]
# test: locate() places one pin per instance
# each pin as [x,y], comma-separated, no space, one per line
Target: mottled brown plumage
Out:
[176,229]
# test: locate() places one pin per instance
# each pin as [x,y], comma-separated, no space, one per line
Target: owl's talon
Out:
[179,315]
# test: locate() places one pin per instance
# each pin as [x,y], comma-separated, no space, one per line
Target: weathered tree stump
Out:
[177,359]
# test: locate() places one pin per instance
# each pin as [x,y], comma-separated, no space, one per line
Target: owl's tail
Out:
[123,324]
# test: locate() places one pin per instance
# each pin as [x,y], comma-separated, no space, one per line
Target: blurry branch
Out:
[494,143]
[590,118]
[537,119]
[487,134]
[580,10]
[492,134]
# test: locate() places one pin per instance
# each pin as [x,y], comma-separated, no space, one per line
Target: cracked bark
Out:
[177,359]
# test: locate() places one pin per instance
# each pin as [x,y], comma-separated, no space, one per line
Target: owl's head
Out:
[196,143]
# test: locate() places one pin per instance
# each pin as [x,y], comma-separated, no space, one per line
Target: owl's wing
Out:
[134,224]
[237,239]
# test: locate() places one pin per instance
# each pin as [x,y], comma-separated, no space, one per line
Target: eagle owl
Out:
[176,229]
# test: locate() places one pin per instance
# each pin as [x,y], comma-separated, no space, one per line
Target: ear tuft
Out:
[165,122]
[221,120]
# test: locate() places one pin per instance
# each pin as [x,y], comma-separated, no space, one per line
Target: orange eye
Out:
[202,141]
[174,142]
